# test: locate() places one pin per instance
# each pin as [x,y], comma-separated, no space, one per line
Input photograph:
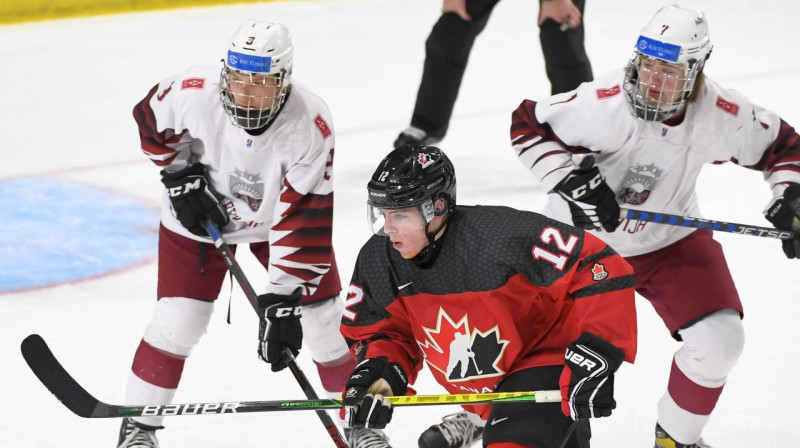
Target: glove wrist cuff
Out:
[378,374]
[613,354]
[196,169]
[398,380]
[265,300]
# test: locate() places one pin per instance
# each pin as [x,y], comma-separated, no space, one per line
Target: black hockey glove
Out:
[193,198]
[363,405]
[279,327]
[587,381]
[785,215]
[591,201]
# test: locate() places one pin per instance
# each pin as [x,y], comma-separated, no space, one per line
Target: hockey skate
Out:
[663,440]
[415,136]
[137,435]
[456,430]
[366,438]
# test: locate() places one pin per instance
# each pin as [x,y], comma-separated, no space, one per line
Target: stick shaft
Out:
[710,224]
[227,255]
[52,374]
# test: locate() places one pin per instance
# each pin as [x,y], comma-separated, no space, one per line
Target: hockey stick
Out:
[61,384]
[480,372]
[252,297]
[699,223]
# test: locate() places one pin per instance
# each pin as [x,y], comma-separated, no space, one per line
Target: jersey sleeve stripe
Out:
[606,252]
[785,149]
[614,284]
[539,148]
[156,145]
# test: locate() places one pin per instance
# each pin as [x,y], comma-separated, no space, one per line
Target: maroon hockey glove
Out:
[785,215]
[372,379]
[587,381]
[193,198]
[279,327]
[591,201]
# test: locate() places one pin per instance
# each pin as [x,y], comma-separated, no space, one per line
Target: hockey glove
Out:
[279,327]
[785,215]
[587,381]
[363,405]
[193,198]
[591,201]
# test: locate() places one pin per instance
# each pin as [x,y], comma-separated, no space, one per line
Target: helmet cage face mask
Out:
[658,90]
[252,100]
[670,54]
[256,75]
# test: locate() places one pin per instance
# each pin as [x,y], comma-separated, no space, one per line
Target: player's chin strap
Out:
[428,254]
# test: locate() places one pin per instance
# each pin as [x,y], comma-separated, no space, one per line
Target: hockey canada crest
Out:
[638,183]
[352,392]
[247,187]
[599,272]
[462,353]
[425,160]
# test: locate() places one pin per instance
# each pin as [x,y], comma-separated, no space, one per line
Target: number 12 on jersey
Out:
[565,246]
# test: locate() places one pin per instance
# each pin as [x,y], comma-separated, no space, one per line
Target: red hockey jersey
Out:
[509,290]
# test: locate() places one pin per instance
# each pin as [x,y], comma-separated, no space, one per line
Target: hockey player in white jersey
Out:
[246,146]
[638,137]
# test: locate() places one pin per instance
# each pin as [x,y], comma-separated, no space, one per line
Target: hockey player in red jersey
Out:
[491,298]
[639,136]
[252,150]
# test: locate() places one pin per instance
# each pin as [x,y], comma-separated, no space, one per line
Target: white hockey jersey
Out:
[651,166]
[276,186]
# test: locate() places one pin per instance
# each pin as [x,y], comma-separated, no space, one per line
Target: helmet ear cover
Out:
[442,210]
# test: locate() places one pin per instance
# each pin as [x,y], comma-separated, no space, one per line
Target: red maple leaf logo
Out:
[461,353]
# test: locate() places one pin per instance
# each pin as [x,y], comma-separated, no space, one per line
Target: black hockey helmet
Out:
[411,175]
[414,176]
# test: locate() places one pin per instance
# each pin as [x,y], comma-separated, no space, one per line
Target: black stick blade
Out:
[56,379]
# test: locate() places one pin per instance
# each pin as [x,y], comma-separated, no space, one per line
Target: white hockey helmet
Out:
[670,54]
[256,74]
